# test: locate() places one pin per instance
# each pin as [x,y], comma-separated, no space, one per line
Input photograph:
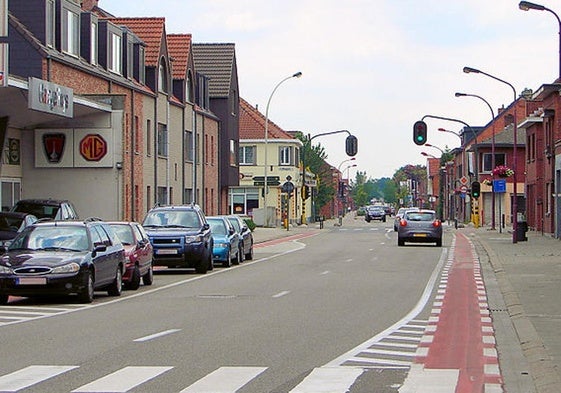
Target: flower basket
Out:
[487,182]
[502,171]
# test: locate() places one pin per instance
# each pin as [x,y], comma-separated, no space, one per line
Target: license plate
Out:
[166,252]
[31,281]
[420,235]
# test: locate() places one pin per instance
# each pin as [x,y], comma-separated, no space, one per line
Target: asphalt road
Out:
[299,310]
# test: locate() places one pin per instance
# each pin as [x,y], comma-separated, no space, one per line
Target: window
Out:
[141,67]
[93,43]
[189,88]
[148,138]
[130,62]
[71,28]
[285,155]
[115,61]
[487,161]
[163,77]
[162,140]
[188,146]
[233,158]
[247,155]
[50,24]
[162,196]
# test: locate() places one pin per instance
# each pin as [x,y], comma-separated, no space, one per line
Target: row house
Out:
[275,156]
[107,112]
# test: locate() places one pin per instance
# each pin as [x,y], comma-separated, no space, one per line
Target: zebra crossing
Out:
[15,314]
[221,380]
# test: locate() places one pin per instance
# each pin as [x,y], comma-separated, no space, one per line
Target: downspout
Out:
[155,150]
[194,155]
[168,187]
[133,152]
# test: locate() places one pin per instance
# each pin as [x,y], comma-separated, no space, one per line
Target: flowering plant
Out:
[502,171]
[487,182]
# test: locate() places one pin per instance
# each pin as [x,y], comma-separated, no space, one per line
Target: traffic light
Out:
[475,189]
[305,192]
[420,132]
[351,145]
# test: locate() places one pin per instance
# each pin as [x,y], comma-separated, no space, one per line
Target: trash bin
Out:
[521,229]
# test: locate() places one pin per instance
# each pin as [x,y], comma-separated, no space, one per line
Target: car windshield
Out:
[419,216]
[217,226]
[172,219]
[37,209]
[12,224]
[71,238]
[124,232]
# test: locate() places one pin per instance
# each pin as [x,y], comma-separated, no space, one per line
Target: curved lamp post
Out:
[526,6]
[492,149]
[436,147]
[469,70]
[265,185]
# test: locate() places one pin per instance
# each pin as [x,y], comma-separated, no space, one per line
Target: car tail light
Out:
[402,223]
[436,223]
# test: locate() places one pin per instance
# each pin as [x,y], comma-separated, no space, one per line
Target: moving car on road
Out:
[138,251]
[63,258]
[420,226]
[400,214]
[375,213]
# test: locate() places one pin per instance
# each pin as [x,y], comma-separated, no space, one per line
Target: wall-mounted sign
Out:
[93,147]
[49,97]
[13,151]
[53,146]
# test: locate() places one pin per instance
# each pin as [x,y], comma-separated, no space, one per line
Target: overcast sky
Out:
[372,67]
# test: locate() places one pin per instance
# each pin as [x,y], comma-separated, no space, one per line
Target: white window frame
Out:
[71,40]
[285,155]
[116,61]
[247,155]
[50,24]
[94,43]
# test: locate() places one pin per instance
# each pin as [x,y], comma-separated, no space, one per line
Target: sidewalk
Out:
[527,310]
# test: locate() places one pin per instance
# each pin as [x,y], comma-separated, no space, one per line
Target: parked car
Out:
[226,248]
[139,253]
[63,258]
[180,236]
[420,226]
[12,223]
[55,209]
[245,236]
[375,213]
[399,214]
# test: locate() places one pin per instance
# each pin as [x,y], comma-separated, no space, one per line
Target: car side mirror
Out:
[231,231]
[99,248]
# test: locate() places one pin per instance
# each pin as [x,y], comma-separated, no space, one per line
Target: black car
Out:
[375,213]
[55,209]
[63,258]
[12,223]
[180,236]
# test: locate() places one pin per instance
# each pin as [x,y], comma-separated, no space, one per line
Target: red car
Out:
[138,251]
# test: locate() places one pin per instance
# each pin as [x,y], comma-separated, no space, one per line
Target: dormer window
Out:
[70,30]
[50,23]
[116,54]
[163,77]
[189,88]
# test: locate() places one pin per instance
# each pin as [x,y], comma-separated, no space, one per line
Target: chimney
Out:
[88,5]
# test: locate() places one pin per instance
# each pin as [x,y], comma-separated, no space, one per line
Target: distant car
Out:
[63,258]
[54,209]
[226,248]
[245,235]
[138,251]
[11,223]
[180,236]
[422,226]
[375,213]
[399,214]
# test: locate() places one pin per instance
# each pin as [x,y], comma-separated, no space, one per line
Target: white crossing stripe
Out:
[224,380]
[29,376]
[123,380]
[328,380]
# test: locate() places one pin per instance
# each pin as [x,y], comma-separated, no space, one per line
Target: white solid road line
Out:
[156,335]
[329,380]
[123,380]
[225,380]
[29,376]
[281,294]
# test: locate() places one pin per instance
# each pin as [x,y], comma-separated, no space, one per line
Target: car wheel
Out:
[438,242]
[134,284]
[148,278]
[4,299]
[210,263]
[400,242]
[249,255]
[116,287]
[238,259]
[87,294]
[202,267]
[241,252]
[228,261]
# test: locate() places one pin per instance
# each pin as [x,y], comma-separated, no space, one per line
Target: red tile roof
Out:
[252,124]
[150,30]
[179,46]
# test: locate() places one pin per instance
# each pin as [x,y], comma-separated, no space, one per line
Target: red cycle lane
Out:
[457,353]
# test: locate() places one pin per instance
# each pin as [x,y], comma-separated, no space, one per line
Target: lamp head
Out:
[297,75]
[442,129]
[467,70]
[460,94]
[526,5]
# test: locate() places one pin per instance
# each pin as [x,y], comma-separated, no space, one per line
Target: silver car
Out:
[422,226]
[400,214]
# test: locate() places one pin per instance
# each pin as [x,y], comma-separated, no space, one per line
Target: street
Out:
[344,308]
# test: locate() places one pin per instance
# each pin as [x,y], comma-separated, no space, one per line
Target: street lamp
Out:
[342,162]
[526,6]
[469,70]
[265,185]
[492,149]
[436,147]
[429,155]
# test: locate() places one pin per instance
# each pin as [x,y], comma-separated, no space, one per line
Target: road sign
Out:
[499,185]
[464,180]
[463,189]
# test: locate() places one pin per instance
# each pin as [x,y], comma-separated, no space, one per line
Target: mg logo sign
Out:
[93,147]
